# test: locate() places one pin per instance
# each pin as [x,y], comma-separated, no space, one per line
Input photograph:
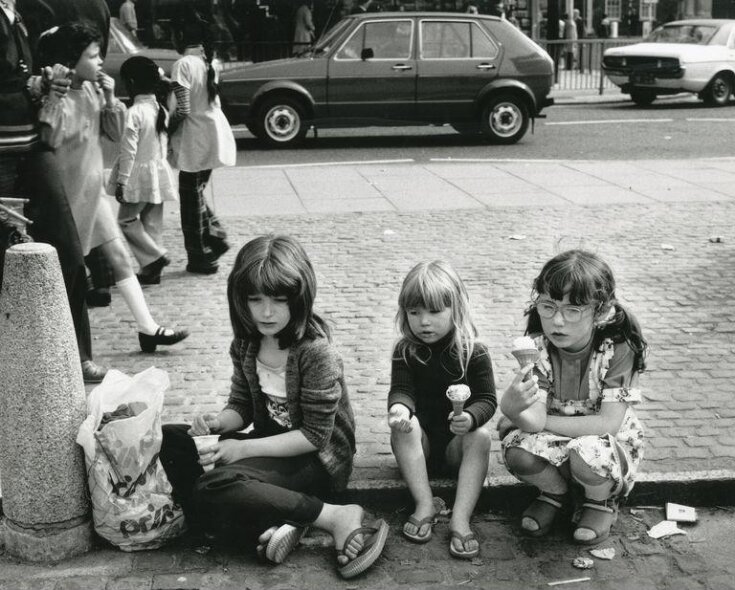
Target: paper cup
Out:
[202,443]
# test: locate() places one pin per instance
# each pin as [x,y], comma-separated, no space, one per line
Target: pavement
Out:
[664,225]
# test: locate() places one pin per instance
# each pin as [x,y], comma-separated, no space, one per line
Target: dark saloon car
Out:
[477,73]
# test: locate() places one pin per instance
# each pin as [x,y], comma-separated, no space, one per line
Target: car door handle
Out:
[402,67]
[485,66]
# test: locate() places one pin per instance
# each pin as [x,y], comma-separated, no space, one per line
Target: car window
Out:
[328,38]
[482,45]
[693,34]
[455,40]
[387,39]
[113,46]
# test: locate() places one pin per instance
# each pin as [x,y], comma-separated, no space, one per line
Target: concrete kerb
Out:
[699,488]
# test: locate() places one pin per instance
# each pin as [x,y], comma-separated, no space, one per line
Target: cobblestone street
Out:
[672,248]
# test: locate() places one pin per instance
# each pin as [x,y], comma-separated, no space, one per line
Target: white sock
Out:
[135,300]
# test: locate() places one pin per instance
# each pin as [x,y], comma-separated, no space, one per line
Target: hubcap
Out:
[282,123]
[506,119]
[720,89]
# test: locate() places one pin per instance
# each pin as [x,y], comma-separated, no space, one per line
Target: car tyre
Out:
[280,122]
[718,91]
[504,119]
[642,96]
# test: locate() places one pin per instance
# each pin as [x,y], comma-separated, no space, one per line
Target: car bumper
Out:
[681,79]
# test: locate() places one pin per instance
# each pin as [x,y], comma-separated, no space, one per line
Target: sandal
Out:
[371,549]
[419,524]
[542,511]
[597,517]
[463,539]
[283,541]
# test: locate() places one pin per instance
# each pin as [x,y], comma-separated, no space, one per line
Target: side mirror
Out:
[367,53]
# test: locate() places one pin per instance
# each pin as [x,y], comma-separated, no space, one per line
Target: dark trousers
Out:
[205,239]
[37,179]
[101,274]
[245,497]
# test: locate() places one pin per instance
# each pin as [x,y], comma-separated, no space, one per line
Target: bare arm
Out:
[521,403]
[607,421]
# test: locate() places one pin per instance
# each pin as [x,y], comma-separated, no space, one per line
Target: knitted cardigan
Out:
[318,403]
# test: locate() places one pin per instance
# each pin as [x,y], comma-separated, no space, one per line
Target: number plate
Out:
[642,78]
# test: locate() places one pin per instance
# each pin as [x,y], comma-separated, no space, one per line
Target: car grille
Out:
[661,67]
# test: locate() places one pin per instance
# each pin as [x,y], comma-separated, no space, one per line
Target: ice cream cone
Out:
[458,395]
[525,357]
[525,351]
[458,407]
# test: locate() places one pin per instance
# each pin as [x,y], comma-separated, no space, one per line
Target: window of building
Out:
[614,9]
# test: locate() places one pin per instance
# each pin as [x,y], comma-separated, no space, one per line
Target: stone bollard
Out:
[42,403]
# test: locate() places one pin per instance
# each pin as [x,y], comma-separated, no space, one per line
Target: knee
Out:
[524,463]
[400,439]
[479,439]
[117,258]
[581,471]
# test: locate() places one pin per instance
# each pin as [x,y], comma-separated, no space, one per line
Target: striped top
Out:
[18,126]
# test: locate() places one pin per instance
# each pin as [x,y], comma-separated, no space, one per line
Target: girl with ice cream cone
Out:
[437,352]
[573,422]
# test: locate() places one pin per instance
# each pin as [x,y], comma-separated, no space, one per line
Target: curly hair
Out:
[66,44]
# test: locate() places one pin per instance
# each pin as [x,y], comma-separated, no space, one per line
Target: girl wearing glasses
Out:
[572,422]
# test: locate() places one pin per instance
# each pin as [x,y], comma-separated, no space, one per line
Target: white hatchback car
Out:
[682,56]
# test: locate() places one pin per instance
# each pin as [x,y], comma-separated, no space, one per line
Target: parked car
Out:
[122,45]
[478,73]
[682,56]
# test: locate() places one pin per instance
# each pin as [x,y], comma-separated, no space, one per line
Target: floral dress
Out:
[613,457]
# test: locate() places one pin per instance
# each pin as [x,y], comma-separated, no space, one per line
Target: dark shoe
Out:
[150,274]
[149,279]
[98,297]
[596,520]
[92,372]
[202,269]
[148,343]
[542,512]
[219,247]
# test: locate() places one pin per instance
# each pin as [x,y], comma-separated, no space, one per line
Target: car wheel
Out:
[718,91]
[504,119]
[642,97]
[280,122]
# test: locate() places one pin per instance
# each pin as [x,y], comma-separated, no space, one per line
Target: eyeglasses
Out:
[570,313]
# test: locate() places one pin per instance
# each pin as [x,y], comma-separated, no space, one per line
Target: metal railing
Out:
[584,56]
[577,64]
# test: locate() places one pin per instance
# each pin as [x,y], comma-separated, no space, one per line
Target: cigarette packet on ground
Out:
[680,513]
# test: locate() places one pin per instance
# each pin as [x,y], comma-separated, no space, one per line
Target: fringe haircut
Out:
[588,279]
[276,266]
[435,286]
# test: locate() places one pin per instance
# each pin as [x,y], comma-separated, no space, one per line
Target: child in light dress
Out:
[141,178]
[437,349]
[73,125]
[573,422]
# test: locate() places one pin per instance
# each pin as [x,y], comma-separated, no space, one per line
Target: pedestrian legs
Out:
[53,224]
[142,226]
[205,239]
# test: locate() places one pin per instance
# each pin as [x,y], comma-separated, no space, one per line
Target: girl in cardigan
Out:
[574,421]
[438,349]
[288,384]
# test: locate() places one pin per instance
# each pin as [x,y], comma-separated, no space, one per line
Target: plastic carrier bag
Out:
[132,504]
